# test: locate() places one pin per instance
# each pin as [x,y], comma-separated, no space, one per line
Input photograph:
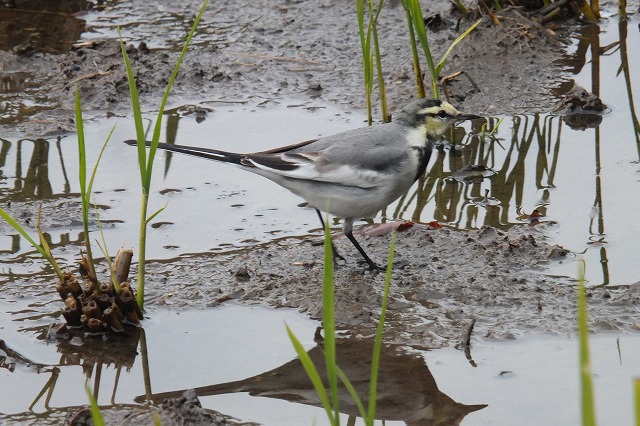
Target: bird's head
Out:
[433,115]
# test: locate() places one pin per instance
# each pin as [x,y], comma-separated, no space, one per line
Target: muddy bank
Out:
[282,53]
[442,280]
[184,410]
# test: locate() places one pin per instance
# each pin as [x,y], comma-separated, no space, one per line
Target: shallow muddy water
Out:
[584,183]
[177,354]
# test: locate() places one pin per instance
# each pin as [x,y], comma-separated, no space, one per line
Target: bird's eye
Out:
[442,115]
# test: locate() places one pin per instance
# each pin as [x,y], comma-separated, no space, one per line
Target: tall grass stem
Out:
[382,90]
[421,31]
[84,195]
[145,161]
[377,345]
[588,404]
[329,323]
[417,70]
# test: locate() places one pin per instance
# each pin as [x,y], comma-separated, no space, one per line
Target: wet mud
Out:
[442,281]
[282,53]
[181,410]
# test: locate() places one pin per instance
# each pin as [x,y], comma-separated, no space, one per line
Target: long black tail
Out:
[210,154]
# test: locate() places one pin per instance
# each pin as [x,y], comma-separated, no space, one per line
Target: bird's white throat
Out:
[417,136]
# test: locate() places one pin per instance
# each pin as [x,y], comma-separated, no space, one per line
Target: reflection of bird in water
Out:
[472,173]
[486,201]
[406,389]
[533,218]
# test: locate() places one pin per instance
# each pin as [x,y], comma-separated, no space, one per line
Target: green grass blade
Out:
[96,415]
[137,112]
[43,250]
[377,345]
[367,58]
[15,225]
[145,161]
[312,372]
[157,212]
[588,404]
[414,52]
[360,15]
[452,45]
[81,150]
[142,165]
[95,167]
[421,31]
[496,127]
[82,158]
[45,246]
[142,248]
[85,193]
[461,7]
[329,321]
[636,388]
[158,125]
[105,251]
[376,48]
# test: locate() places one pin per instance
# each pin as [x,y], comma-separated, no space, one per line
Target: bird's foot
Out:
[373,268]
[338,259]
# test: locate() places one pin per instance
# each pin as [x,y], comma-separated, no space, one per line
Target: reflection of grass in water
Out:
[85,196]
[88,304]
[330,401]
[80,298]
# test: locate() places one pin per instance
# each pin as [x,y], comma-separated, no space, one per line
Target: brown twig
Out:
[493,17]
[445,79]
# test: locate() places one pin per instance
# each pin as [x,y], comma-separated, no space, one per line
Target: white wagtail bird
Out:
[353,174]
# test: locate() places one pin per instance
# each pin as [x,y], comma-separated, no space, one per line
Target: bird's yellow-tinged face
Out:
[437,119]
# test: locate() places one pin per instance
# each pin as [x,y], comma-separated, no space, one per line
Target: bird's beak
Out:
[463,117]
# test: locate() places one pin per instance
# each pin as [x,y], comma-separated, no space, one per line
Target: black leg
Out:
[336,255]
[371,263]
[347,228]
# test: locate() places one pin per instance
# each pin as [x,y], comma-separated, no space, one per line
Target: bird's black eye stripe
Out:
[442,114]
